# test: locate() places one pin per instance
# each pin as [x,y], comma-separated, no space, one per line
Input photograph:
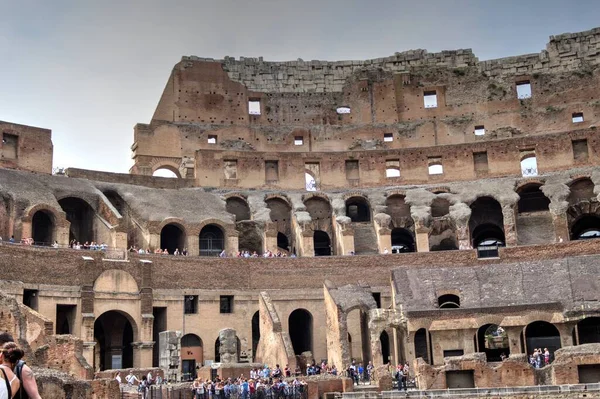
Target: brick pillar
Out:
[193,245]
[421,236]
[510,224]
[88,275]
[561,227]
[270,237]
[566,333]
[514,339]
[385,238]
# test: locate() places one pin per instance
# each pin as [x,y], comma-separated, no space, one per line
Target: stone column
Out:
[561,227]
[270,237]
[308,248]
[558,194]
[385,239]
[231,244]
[421,236]
[566,333]
[193,244]
[514,339]
[510,224]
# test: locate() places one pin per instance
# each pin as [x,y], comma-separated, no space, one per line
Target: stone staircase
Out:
[365,239]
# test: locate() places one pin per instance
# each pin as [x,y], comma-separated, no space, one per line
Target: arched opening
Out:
[421,345]
[384,339]
[534,221]
[493,341]
[212,241]
[436,169]
[172,237]
[282,241]
[318,208]
[488,235]
[310,182]
[255,333]
[542,335]
[238,207]
[448,301]
[358,209]
[217,351]
[300,328]
[114,334]
[402,241]
[81,216]
[191,355]
[581,189]
[588,226]
[42,228]
[398,209]
[166,171]
[440,207]
[321,243]
[486,223]
[350,350]
[587,331]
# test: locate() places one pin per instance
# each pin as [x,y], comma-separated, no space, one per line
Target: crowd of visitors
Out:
[158,251]
[93,246]
[249,388]
[539,358]
[266,254]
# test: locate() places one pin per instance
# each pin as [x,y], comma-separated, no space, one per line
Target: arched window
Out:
[493,341]
[422,349]
[486,223]
[166,172]
[529,166]
[532,199]
[300,328]
[81,216]
[283,242]
[402,241]
[114,334]
[238,207]
[436,169]
[587,227]
[541,334]
[448,301]
[212,241]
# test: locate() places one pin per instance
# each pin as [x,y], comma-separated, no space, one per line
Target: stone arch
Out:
[321,213]
[173,237]
[541,334]
[486,223]
[587,331]
[399,211]
[493,341]
[116,281]
[533,218]
[321,243]
[300,327]
[238,206]
[581,189]
[43,228]
[403,240]
[422,345]
[80,214]
[358,208]
[192,355]
[228,229]
[168,165]
[211,240]
[115,331]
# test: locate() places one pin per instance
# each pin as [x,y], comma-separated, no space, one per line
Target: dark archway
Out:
[255,333]
[421,346]
[588,331]
[449,301]
[586,227]
[192,355]
[42,228]
[239,207]
[172,237]
[114,333]
[541,334]
[282,241]
[384,339]
[532,199]
[493,341]
[581,189]
[402,241]
[212,240]
[81,216]
[217,351]
[300,325]
[486,223]
[358,209]
[321,243]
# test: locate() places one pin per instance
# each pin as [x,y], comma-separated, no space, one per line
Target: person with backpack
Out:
[9,383]
[28,388]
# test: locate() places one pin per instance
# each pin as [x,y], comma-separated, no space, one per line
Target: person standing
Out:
[28,388]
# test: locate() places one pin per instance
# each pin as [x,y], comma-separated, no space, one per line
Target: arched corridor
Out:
[81,216]
[300,324]
[191,355]
[402,241]
[486,223]
[586,227]
[114,335]
[358,209]
[321,243]
[255,333]
[493,341]
[386,353]
[541,334]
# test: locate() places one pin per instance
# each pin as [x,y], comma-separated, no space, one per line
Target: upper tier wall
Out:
[565,52]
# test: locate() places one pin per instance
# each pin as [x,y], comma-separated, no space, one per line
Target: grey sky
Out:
[91,70]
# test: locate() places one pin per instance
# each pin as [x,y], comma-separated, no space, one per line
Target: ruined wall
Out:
[25,147]
[275,345]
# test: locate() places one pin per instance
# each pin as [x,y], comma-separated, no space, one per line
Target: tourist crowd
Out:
[93,246]
[266,254]
[539,358]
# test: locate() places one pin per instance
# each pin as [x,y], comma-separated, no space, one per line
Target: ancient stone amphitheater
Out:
[427,208]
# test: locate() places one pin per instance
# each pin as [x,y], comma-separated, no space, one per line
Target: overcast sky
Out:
[90,70]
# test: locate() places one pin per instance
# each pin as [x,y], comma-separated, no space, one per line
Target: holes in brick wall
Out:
[577,117]
[523,90]
[430,99]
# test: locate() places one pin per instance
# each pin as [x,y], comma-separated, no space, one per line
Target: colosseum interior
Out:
[428,208]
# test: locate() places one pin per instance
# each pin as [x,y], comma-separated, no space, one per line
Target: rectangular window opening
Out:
[226,304]
[352,170]
[230,168]
[523,90]
[65,318]
[377,297]
[190,304]
[298,140]
[30,298]
[479,130]
[392,168]
[453,352]
[435,166]
[387,137]
[9,146]
[254,107]
[577,117]
[212,139]
[430,99]
[480,161]
[580,150]
[528,163]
